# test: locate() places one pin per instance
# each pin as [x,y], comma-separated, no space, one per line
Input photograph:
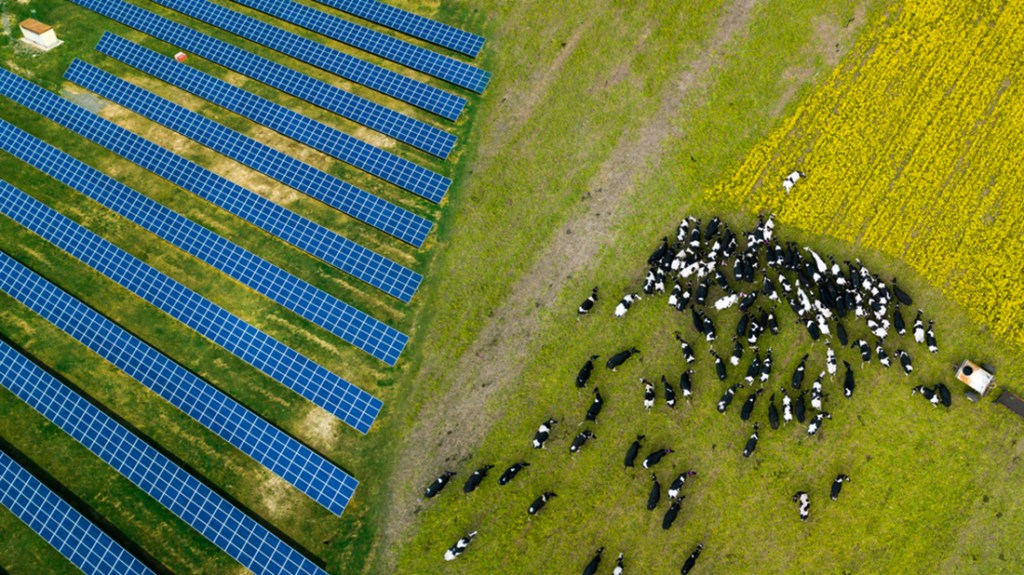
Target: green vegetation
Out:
[602,126]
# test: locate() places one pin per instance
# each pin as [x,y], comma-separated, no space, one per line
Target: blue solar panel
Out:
[320,386]
[294,462]
[226,526]
[412,24]
[384,120]
[370,75]
[385,165]
[341,319]
[84,544]
[374,42]
[340,252]
[363,206]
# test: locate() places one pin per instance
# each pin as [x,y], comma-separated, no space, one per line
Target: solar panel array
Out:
[67,530]
[318,478]
[304,178]
[345,321]
[426,61]
[320,386]
[386,121]
[385,81]
[226,526]
[412,24]
[336,250]
[373,160]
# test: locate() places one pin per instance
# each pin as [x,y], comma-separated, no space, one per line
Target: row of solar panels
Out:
[229,528]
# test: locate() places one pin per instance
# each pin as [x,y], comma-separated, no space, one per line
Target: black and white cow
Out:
[837,485]
[654,496]
[773,413]
[787,406]
[670,392]
[927,393]
[655,456]
[865,350]
[751,443]
[460,547]
[817,421]
[897,321]
[719,366]
[943,392]
[677,484]
[844,339]
[816,392]
[595,406]
[929,338]
[766,366]
[438,484]
[830,360]
[685,346]
[754,369]
[615,361]
[591,568]
[686,384]
[618,566]
[473,481]
[543,433]
[540,502]
[691,560]
[633,450]
[919,327]
[799,407]
[883,357]
[798,375]
[805,504]
[510,473]
[737,352]
[588,304]
[848,383]
[748,405]
[648,394]
[584,374]
[672,513]
[581,439]
[625,303]
[723,403]
[905,361]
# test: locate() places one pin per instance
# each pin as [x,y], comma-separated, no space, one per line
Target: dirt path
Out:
[497,357]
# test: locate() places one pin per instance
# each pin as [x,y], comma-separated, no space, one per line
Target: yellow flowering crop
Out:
[915,147]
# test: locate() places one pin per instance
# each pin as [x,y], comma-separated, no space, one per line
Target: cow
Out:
[540,502]
[751,443]
[798,375]
[848,383]
[723,403]
[897,321]
[584,374]
[625,303]
[634,448]
[677,484]
[655,494]
[438,484]
[543,433]
[616,361]
[719,366]
[817,421]
[837,485]
[654,457]
[618,566]
[766,366]
[754,369]
[580,439]
[588,304]
[844,339]
[660,253]
[919,327]
[773,413]
[865,350]
[737,352]
[510,473]
[787,406]
[595,406]
[929,338]
[648,394]
[943,392]
[460,547]
[748,405]
[816,394]
[883,358]
[670,392]
[686,384]
[685,346]
[799,409]
[905,361]
[672,513]
[691,560]
[830,360]
[474,480]
[928,394]
[591,568]
[805,504]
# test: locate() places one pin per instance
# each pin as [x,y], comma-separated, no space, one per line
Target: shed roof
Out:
[35,26]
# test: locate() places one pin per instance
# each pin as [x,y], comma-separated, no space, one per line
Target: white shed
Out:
[39,35]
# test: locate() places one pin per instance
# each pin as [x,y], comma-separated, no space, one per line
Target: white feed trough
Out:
[975,377]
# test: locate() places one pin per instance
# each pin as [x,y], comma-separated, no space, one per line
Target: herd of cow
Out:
[712,269]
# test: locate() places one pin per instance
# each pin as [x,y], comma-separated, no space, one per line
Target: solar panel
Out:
[318,478]
[374,42]
[412,24]
[226,526]
[334,315]
[386,121]
[67,530]
[328,140]
[385,81]
[318,241]
[302,177]
[320,386]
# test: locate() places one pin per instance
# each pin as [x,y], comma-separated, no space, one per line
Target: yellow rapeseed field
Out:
[915,147]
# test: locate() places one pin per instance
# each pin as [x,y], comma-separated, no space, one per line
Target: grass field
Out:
[604,124]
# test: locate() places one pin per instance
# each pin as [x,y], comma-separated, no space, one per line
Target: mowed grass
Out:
[932,491]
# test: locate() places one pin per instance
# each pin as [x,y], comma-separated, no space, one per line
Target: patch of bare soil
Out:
[497,357]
